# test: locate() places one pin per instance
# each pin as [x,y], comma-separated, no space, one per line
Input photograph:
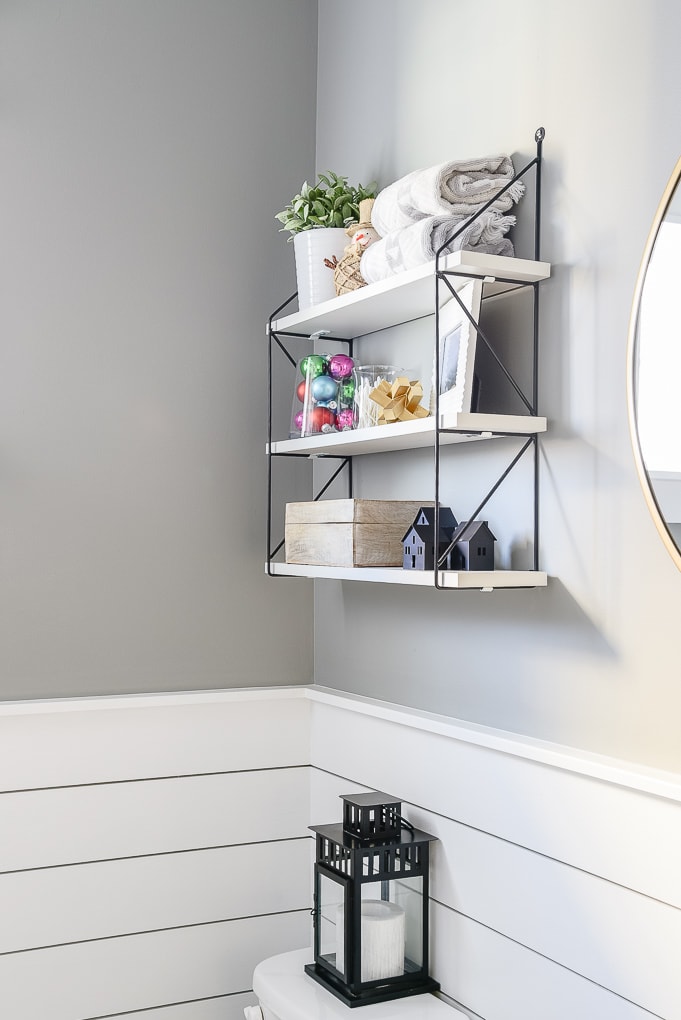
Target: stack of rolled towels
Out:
[429,208]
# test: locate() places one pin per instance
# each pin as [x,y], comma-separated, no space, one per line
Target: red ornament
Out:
[322,419]
[300,390]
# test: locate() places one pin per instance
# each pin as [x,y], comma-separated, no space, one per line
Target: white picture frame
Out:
[457,341]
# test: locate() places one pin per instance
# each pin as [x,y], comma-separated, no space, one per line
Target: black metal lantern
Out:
[371,903]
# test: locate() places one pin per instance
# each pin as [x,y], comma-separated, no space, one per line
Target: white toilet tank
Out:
[285,992]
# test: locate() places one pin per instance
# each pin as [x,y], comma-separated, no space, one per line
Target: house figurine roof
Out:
[469,530]
[424,522]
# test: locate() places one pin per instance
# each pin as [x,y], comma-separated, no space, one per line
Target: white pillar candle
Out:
[383,935]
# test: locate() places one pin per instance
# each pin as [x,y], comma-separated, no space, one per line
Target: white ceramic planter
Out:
[315,279]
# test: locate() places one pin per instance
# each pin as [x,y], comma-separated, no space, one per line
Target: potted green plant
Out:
[316,220]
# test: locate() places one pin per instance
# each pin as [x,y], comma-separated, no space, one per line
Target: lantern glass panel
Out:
[392,928]
[331,923]
[408,894]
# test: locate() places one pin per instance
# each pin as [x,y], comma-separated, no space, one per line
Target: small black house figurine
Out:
[418,543]
[470,544]
[474,546]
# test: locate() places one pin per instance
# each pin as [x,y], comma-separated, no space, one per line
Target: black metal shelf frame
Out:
[530,402]
[278,338]
[532,442]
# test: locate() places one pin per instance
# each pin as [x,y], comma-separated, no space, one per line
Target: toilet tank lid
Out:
[282,985]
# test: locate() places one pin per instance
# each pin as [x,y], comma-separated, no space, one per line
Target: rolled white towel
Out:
[419,243]
[456,188]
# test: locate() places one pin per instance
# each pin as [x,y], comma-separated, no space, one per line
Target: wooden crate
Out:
[349,532]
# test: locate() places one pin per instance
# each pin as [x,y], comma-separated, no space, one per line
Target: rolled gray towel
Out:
[418,243]
[457,188]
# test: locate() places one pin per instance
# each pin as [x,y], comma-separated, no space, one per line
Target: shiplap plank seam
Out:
[157,931]
[170,1005]
[501,979]
[159,853]
[150,779]
[139,972]
[56,826]
[549,959]
[356,787]
[87,902]
[132,737]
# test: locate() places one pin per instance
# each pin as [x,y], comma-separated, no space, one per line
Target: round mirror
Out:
[655,368]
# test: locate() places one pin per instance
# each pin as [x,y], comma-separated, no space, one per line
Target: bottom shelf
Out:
[485,580]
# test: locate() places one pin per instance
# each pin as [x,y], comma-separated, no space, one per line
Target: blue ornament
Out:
[324,388]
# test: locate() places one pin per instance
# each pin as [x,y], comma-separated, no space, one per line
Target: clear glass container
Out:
[322,395]
[366,378]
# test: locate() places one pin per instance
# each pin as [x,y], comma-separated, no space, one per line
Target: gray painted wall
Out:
[145,148]
[592,661]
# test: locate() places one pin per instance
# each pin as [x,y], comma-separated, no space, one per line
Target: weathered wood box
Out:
[348,532]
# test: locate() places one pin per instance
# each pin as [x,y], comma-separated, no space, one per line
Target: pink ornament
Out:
[298,421]
[340,366]
[344,419]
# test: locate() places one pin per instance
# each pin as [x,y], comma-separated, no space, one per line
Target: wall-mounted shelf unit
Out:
[415,294]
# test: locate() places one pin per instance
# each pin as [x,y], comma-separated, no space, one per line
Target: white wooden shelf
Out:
[485,580]
[412,435]
[410,295]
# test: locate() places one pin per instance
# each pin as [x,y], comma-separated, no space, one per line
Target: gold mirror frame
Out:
[632,358]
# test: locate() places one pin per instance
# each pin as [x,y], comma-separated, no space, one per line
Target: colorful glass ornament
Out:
[344,419]
[346,392]
[323,388]
[340,366]
[313,365]
[322,419]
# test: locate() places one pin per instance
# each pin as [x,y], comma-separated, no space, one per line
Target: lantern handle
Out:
[405,824]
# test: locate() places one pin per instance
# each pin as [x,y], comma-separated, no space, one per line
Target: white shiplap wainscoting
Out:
[153,849]
[142,844]
[556,883]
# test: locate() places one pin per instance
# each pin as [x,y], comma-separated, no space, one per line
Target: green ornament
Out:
[313,365]
[347,392]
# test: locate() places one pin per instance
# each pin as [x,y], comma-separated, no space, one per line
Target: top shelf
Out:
[410,295]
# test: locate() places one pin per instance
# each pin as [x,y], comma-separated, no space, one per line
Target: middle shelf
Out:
[413,435]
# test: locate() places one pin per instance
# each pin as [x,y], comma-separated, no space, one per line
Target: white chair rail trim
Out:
[634,776]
